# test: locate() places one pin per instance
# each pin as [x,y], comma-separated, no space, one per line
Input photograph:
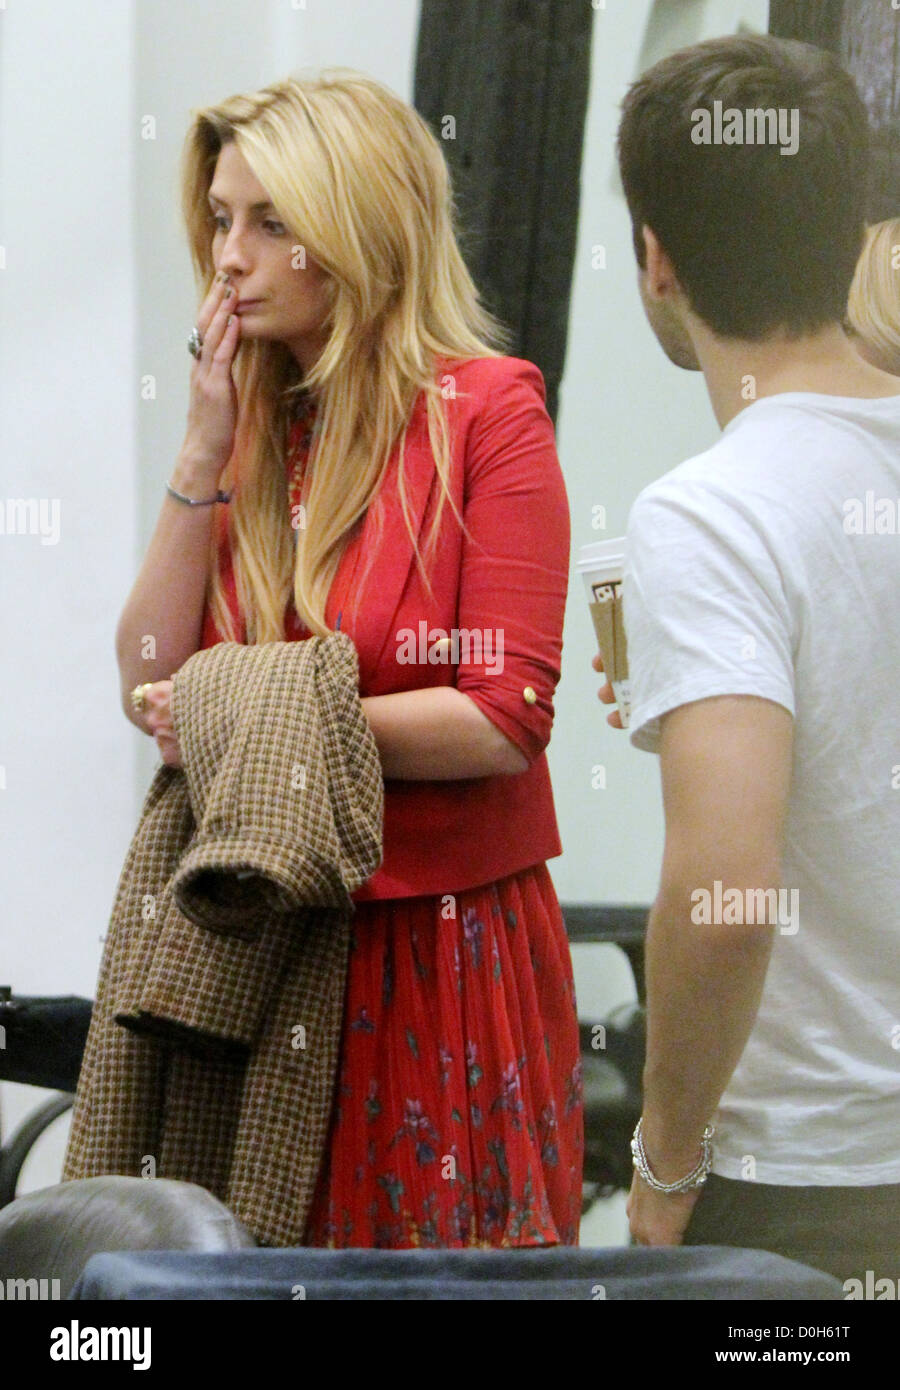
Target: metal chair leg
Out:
[14,1153]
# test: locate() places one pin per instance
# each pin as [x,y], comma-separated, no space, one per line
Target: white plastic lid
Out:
[600,553]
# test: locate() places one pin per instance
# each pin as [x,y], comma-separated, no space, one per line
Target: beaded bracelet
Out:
[694,1179]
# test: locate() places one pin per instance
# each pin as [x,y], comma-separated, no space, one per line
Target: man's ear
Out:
[660,278]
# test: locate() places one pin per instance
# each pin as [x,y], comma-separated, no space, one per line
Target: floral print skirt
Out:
[458,1111]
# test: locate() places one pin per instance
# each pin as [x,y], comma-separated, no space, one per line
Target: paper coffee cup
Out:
[601,566]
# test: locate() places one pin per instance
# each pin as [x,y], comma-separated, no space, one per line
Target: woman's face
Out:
[275,296]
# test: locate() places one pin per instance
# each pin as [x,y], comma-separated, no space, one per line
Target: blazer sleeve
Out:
[515,557]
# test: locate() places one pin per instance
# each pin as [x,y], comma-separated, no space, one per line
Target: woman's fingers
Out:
[227,346]
[216,328]
[212,407]
[211,304]
[169,749]
[158,715]
[159,722]
[158,692]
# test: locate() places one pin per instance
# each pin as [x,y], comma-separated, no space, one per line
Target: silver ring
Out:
[195,343]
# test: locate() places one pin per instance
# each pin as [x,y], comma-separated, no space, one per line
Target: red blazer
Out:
[506,581]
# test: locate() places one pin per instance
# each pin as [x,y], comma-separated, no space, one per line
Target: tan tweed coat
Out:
[213,1047]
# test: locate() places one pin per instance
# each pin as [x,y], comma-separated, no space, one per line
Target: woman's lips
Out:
[243,304]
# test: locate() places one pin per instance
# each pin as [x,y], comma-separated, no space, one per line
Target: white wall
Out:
[68,410]
[99,289]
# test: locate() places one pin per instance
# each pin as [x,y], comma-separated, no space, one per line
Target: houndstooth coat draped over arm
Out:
[213,1047]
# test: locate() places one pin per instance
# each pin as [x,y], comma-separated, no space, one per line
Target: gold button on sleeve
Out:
[529,696]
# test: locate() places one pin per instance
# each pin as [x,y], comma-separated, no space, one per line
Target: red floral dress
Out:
[458,1108]
[458,1116]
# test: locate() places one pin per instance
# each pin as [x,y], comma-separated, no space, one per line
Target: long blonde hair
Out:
[873,309]
[362,184]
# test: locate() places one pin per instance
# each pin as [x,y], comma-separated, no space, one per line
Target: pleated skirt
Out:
[457,1117]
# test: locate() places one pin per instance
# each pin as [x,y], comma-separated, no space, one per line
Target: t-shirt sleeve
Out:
[704,604]
[515,560]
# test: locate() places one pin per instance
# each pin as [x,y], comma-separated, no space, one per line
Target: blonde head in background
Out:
[873,309]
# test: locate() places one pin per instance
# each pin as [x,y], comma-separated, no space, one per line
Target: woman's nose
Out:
[233,255]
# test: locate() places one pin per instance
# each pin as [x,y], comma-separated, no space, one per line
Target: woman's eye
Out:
[220,222]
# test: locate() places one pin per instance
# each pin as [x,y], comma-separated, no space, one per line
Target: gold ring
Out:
[139,697]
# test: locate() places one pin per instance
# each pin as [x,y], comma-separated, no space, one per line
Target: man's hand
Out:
[158,718]
[659,1218]
[605,693]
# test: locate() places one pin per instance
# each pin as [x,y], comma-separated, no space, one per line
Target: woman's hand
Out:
[605,693]
[158,718]
[212,411]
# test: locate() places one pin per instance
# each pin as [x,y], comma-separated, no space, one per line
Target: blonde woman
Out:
[360,454]
[873,309]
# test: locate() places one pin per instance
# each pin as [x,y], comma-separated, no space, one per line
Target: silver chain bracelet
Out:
[194,502]
[697,1176]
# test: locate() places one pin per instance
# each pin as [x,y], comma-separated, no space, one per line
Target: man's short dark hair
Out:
[759,240]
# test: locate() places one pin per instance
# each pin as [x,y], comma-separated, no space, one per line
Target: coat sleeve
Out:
[515,559]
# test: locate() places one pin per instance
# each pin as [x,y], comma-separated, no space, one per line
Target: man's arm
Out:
[726,768]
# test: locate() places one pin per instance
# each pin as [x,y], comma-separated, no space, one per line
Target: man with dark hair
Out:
[763,631]
[765,232]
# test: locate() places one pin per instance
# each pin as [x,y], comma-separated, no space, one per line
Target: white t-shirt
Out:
[770,565]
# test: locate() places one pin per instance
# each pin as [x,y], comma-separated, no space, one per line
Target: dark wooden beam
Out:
[865,35]
[504,86]
[870,51]
[811,21]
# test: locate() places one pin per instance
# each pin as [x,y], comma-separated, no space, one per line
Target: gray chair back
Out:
[51,1234]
